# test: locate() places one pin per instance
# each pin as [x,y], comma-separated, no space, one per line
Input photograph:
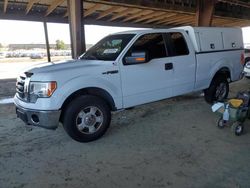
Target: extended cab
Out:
[128,69]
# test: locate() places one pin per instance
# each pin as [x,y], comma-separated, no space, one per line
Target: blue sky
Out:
[23,32]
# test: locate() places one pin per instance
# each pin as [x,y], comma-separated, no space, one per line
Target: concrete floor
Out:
[171,143]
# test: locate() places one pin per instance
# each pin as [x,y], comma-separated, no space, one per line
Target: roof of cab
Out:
[141,31]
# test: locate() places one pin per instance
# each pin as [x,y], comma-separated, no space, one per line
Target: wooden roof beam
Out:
[30,4]
[190,23]
[234,23]
[142,13]
[53,6]
[66,14]
[167,15]
[186,21]
[92,10]
[153,15]
[219,21]
[124,12]
[246,24]
[164,19]
[179,19]
[236,2]
[5,6]
[108,11]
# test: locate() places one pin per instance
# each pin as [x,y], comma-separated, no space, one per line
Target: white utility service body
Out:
[191,60]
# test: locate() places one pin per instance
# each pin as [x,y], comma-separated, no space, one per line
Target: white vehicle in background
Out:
[247,63]
[37,55]
[2,55]
[127,69]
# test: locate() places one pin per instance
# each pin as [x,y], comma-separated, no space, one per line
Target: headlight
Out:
[41,90]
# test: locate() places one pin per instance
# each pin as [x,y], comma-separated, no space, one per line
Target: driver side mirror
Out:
[136,58]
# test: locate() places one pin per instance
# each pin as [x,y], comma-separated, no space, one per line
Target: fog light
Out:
[35,118]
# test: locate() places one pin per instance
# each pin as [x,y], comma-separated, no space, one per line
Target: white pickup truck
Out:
[128,69]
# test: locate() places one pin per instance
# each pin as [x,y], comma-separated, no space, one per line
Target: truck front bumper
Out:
[45,119]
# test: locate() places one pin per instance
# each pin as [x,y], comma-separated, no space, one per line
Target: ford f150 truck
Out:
[127,69]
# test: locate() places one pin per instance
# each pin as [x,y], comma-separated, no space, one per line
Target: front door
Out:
[149,81]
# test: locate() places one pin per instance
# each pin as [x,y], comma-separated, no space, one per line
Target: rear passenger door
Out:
[182,57]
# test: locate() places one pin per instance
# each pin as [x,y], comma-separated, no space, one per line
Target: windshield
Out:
[109,48]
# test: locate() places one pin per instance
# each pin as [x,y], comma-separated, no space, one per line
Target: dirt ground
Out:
[7,88]
[171,143]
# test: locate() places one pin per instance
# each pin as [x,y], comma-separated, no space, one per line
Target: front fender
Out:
[75,84]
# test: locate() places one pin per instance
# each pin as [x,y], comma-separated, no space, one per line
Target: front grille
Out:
[20,84]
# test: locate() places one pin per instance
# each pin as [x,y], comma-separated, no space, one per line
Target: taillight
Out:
[242,59]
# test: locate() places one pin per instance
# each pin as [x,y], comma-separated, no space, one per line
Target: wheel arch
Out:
[247,59]
[95,91]
[224,71]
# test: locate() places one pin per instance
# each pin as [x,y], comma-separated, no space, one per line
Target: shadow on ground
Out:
[7,88]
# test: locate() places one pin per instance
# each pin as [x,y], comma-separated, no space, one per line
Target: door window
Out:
[153,44]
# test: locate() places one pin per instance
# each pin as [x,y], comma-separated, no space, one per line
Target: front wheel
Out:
[218,90]
[86,118]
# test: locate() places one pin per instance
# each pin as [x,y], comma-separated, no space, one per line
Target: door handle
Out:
[111,72]
[168,66]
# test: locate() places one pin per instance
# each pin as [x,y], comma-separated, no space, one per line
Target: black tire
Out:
[211,94]
[79,105]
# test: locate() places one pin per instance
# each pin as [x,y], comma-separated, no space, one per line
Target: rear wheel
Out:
[218,90]
[86,118]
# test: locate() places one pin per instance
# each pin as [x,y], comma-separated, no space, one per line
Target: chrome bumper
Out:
[45,119]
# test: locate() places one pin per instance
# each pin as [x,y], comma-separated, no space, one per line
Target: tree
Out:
[60,45]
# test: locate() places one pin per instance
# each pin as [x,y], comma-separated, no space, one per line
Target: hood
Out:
[63,66]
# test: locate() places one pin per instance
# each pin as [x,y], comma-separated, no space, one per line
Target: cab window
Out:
[177,45]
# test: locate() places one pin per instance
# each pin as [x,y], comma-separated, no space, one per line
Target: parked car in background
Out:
[247,70]
[247,55]
[36,56]
[247,63]
[2,55]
